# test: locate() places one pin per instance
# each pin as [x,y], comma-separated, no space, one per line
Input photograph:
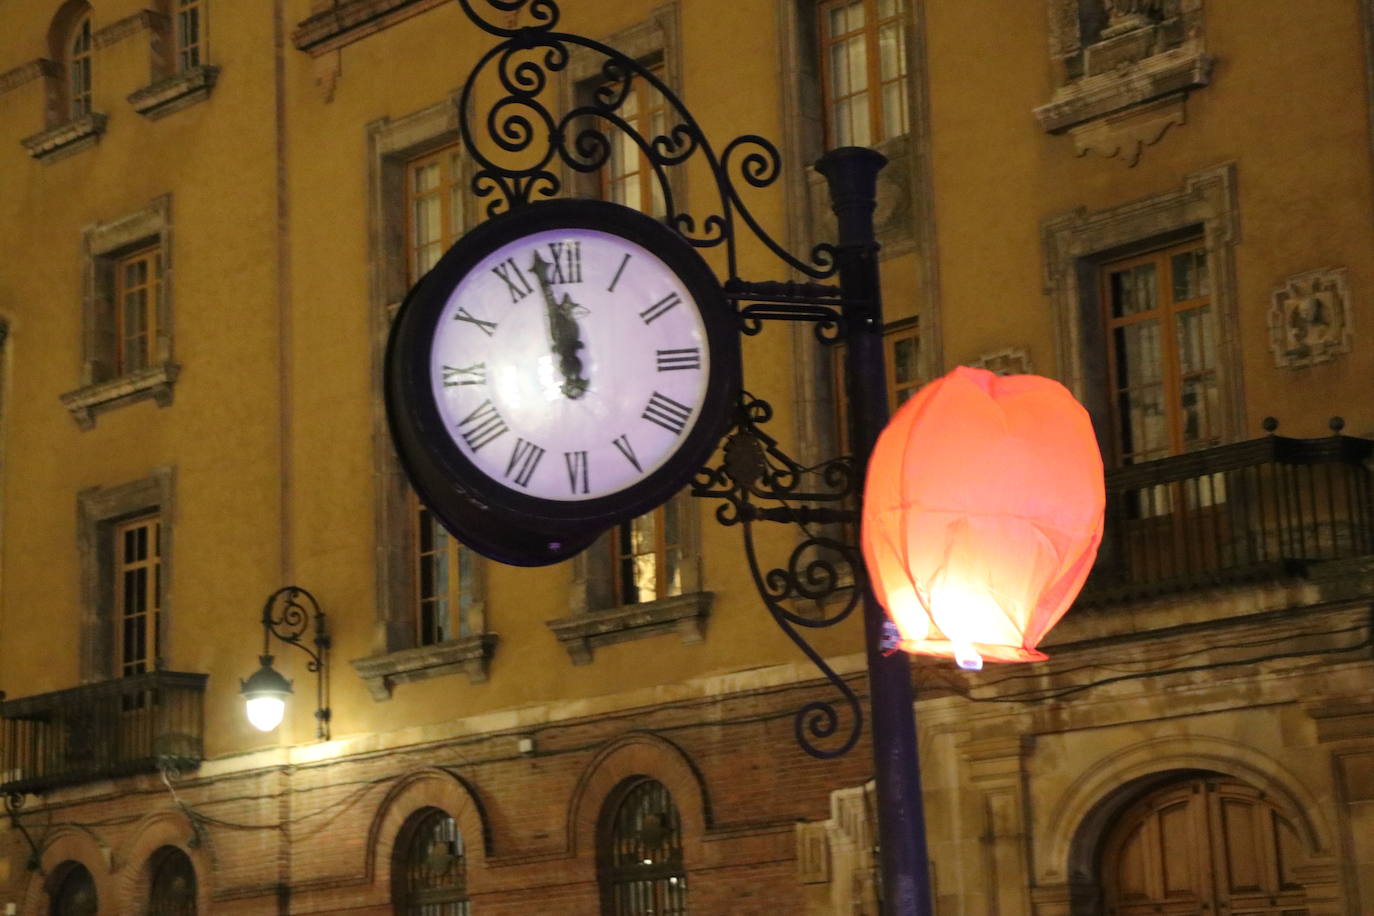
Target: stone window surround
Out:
[99,510]
[395,659]
[1075,244]
[102,244]
[1137,77]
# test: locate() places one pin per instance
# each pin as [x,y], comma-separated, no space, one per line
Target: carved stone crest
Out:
[1011,361]
[1309,321]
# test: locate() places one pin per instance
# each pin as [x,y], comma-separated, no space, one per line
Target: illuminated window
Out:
[1162,353]
[79,69]
[434,208]
[640,853]
[138,302]
[863,71]
[429,872]
[138,593]
[190,34]
[647,555]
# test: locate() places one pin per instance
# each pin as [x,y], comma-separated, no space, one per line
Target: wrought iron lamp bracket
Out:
[287,618]
[14,803]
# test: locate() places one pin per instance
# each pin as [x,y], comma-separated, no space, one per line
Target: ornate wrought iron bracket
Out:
[526,151]
[14,802]
[287,618]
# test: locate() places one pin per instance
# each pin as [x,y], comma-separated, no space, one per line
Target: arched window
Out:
[79,68]
[73,891]
[429,869]
[1205,845]
[640,852]
[173,888]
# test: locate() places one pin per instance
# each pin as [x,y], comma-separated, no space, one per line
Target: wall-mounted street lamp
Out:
[265,692]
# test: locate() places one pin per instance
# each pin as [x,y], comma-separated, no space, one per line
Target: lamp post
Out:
[265,691]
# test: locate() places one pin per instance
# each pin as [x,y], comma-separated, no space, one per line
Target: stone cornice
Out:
[174,92]
[351,20]
[1095,96]
[64,139]
[470,655]
[682,614]
[154,382]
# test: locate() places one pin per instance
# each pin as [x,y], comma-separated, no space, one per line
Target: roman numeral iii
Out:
[667,413]
[686,358]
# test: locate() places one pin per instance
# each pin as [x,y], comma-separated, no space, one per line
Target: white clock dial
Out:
[569,364]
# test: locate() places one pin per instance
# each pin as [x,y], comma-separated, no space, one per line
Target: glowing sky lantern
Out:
[982,514]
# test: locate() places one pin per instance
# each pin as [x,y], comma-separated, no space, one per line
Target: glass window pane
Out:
[1196,341]
[839,71]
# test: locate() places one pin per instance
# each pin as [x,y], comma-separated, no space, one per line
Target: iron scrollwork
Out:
[287,614]
[524,151]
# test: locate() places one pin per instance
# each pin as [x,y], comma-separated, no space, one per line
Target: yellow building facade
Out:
[213,213]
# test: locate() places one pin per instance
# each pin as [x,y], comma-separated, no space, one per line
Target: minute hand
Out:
[564,333]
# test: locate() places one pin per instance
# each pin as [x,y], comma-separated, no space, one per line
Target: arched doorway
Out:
[1204,845]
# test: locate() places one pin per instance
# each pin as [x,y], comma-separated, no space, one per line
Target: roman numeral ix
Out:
[515,281]
[524,458]
[577,471]
[567,262]
[661,307]
[482,426]
[476,374]
[664,411]
[687,358]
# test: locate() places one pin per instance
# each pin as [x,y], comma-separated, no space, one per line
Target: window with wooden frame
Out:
[434,220]
[190,34]
[902,361]
[628,178]
[443,574]
[647,556]
[863,71]
[79,69]
[1162,353]
[434,208]
[640,852]
[138,302]
[429,868]
[137,594]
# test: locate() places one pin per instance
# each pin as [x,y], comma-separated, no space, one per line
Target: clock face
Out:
[569,364]
[565,366]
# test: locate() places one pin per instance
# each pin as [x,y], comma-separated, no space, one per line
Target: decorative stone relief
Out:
[1125,136]
[1114,56]
[1011,361]
[1309,320]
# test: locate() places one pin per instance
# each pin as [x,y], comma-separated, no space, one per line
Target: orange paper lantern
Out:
[982,514]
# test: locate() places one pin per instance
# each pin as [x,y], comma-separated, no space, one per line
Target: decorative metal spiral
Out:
[287,618]
[525,147]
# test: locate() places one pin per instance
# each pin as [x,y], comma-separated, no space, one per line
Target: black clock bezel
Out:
[450,484]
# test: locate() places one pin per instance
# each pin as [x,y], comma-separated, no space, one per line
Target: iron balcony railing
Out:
[98,731]
[1252,510]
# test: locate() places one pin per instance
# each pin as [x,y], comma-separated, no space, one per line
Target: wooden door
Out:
[1204,847]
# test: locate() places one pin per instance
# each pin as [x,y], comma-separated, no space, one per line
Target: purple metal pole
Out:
[852,174]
